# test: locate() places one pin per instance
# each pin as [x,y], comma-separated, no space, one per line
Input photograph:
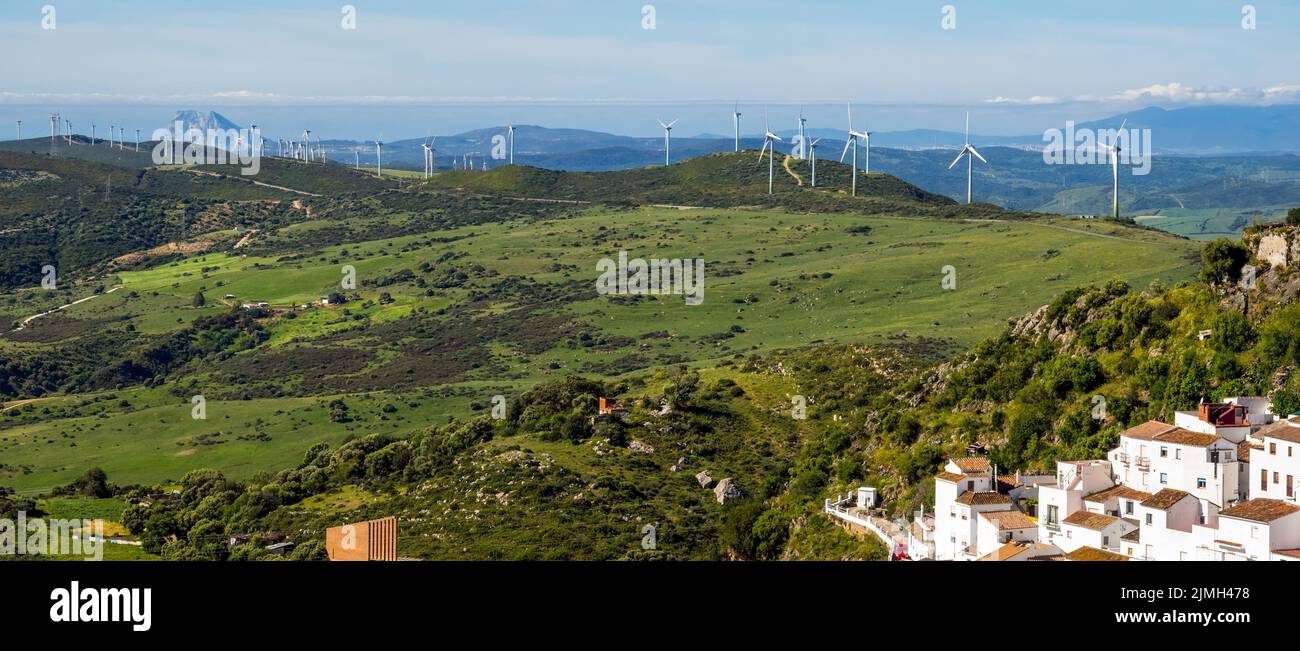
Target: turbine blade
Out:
[977,154]
[848,143]
[957,159]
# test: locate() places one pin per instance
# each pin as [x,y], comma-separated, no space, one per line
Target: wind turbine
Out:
[969,152]
[511,132]
[379,158]
[812,149]
[92,135]
[306,144]
[668,137]
[428,157]
[137,140]
[356,154]
[803,144]
[853,142]
[768,139]
[54,120]
[735,118]
[121,138]
[1114,149]
[20,129]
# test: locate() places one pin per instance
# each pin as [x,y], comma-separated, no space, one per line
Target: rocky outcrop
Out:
[705,480]
[727,490]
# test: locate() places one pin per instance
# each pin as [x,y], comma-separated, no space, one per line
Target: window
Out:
[970,485]
[1200,482]
[1164,478]
[1051,514]
[1164,451]
[1149,519]
[1254,533]
[1274,476]
[1178,453]
[1263,480]
[1272,448]
[1069,533]
[1290,490]
[1128,507]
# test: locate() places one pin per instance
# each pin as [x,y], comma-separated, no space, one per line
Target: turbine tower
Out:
[803,144]
[812,149]
[54,120]
[853,142]
[428,158]
[511,132]
[379,158]
[969,152]
[306,144]
[769,139]
[735,118]
[1113,149]
[121,138]
[92,135]
[137,140]
[668,137]
[20,129]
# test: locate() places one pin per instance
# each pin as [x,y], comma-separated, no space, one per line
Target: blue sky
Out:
[1010,61]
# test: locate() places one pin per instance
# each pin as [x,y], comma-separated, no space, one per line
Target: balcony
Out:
[1143,463]
[1123,458]
[1054,527]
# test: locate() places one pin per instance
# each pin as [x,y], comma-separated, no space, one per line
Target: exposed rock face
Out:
[727,490]
[639,446]
[705,480]
[679,466]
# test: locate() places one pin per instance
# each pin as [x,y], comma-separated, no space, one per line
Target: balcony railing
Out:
[1054,527]
[1124,458]
[1144,463]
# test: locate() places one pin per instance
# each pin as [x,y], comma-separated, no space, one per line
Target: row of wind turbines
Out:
[303,150]
[61,129]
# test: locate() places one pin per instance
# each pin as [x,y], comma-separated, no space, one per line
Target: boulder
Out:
[705,480]
[727,490]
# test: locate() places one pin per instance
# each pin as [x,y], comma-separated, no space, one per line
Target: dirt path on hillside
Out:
[786,164]
[23,324]
[254,182]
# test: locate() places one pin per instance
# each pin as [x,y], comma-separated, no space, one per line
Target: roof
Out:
[1008,482]
[973,464]
[1293,553]
[1147,430]
[1101,497]
[1090,520]
[949,476]
[1286,430]
[1180,436]
[1243,451]
[973,498]
[1165,499]
[1260,509]
[1087,553]
[1133,536]
[1009,519]
[1006,551]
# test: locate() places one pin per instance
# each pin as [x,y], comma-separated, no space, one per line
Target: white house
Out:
[1259,529]
[1156,455]
[1234,419]
[1084,528]
[1275,467]
[993,529]
[1074,481]
[1166,520]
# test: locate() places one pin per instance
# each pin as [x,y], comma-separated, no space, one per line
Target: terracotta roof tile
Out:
[1165,499]
[982,498]
[1089,520]
[973,464]
[1243,451]
[1006,551]
[1181,436]
[1101,497]
[1009,519]
[1286,430]
[1087,553]
[1132,536]
[1260,509]
[950,476]
[1293,553]
[1147,430]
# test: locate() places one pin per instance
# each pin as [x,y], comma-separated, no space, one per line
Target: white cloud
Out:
[1178,93]
[1035,100]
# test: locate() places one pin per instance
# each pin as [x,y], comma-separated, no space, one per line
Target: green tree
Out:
[199,300]
[1222,260]
[1293,217]
[1232,332]
[1285,401]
